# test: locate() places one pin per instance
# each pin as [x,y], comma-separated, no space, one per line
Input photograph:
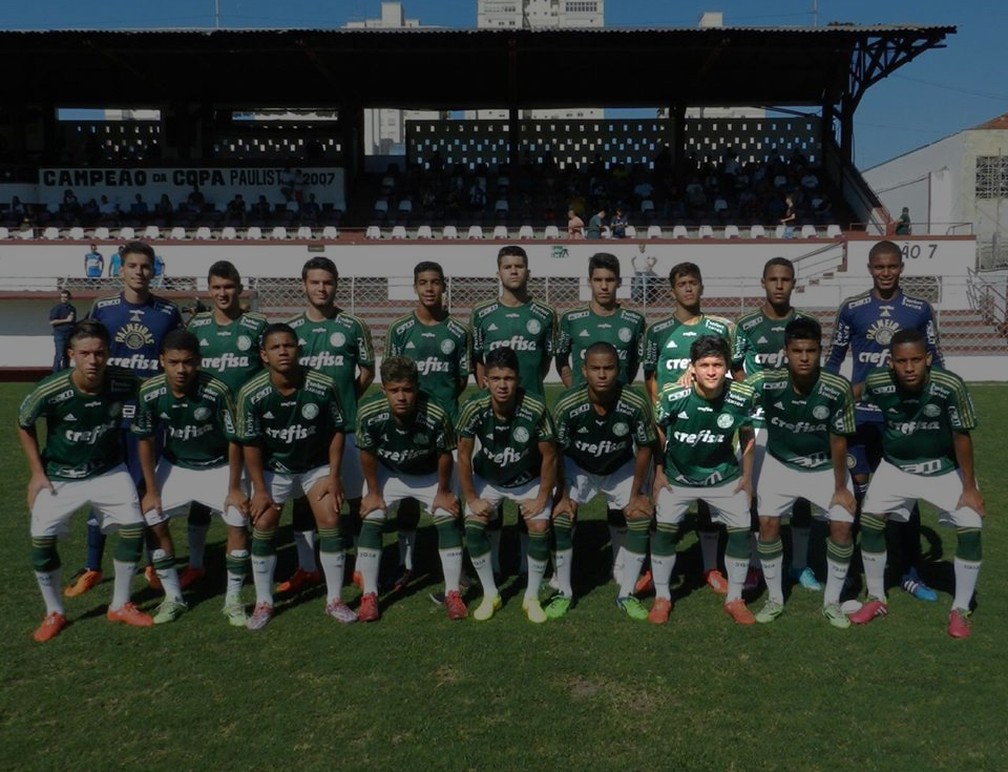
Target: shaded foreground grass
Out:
[593,690]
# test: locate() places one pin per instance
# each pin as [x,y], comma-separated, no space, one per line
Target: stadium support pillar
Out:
[514,137]
[351,123]
[847,130]
[677,136]
[52,139]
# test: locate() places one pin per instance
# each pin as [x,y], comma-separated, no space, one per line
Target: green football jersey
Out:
[442,353]
[624,329]
[82,437]
[337,347]
[700,433]
[294,431]
[799,426]
[918,425]
[759,341]
[229,352]
[667,346]
[197,427]
[506,452]
[529,329]
[601,444]
[411,449]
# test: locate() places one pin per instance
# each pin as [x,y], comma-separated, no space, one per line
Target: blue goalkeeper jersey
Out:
[865,324]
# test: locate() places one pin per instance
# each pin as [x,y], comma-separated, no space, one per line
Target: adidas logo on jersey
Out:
[779,405]
[268,415]
[762,339]
[583,430]
[683,414]
[584,334]
[410,345]
[492,328]
[671,344]
[70,417]
[204,342]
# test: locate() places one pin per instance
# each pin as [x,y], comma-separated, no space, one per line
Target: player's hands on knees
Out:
[744,485]
[237,500]
[38,482]
[971,498]
[481,508]
[151,502]
[261,504]
[661,483]
[531,507]
[844,498]
[445,500]
[372,502]
[639,507]
[333,488]
[564,506]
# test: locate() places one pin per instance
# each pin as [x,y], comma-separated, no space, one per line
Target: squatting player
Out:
[291,429]
[137,321]
[606,432]
[406,443]
[604,319]
[442,350]
[697,426]
[927,454]
[866,323]
[229,345]
[666,358]
[809,414]
[335,343]
[201,462]
[82,464]
[506,451]
[759,345]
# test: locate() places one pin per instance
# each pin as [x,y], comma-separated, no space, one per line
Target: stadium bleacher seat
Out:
[705,232]
[152,232]
[500,232]
[833,231]
[731,232]
[449,232]
[405,205]
[126,233]
[178,233]
[76,233]
[424,232]
[631,232]
[526,232]
[304,232]
[203,233]
[678,232]
[279,232]
[647,206]
[757,232]
[380,206]
[808,232]
[654,231]
[27,234]
[330,232]
[4,233]
[551,232]
[228,232]
[475,232]
[50,233]
[779,231]
[399,232]
[253,232]
[501,206]
[372,232]
[101,232]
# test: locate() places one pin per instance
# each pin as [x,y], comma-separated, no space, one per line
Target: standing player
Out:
[229,346]
[866,323]
[82,464]
[666,358]
[697,426]
[759,345]
[201,461]
[406,443]
[291,429]
[337,344]
[137,322]
[927,453]
[607,435]
[808,415]
[515,459]
[603,320]
[527,327]
[441,348]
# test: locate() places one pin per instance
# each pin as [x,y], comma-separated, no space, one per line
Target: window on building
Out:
[992,176]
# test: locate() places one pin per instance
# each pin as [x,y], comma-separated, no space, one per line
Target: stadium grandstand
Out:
[264,164]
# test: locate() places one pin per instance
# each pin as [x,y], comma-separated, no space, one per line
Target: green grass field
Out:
[593,690]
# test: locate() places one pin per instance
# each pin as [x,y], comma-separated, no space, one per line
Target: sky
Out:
[940,93]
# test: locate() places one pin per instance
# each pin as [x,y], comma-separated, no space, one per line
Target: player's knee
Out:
[769,528]
[841,532]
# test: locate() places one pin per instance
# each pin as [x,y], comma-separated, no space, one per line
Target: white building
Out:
[385,127]
[952,185]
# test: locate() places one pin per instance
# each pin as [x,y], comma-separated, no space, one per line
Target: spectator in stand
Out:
[115,263]
[164,209]
[70,207]
[109,212]
[595,225]
[139,207]
[235,214]
[477,196]
[159,272]
[17,210]
[89,212]
[196,200]
[62,317]
[261,209]
[575,225]
[310,210]
[618,224]
[790,217]
[94,263]
[903,224]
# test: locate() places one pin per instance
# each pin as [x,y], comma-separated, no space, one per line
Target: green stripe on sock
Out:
[330,540]
[44,557]
[476,539]
[841,553]
[538,546]
[448,533]
[563,525]
[769,550]
[738,543]
[262,543]
[665,539]
[371,534]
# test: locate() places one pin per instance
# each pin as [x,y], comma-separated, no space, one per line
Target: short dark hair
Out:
[604,260]
[395,369]
[138,248]
[907,335]
[512,250]
[885,248]
[781,261]
[180,340]
[224,269]
[502,356]
[803,328]
[66,292]
[319,264]
[710,346]
[276,328]
[684,269]
[601,347]
[88,328]
[427,265]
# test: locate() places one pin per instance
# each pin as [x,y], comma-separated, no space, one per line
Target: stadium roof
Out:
[458,69]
